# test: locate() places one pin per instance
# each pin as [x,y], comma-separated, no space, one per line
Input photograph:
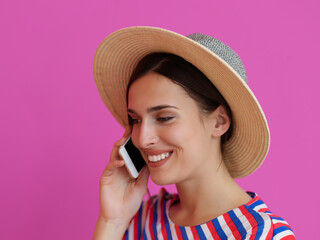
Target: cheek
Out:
[193,138]
[178,134]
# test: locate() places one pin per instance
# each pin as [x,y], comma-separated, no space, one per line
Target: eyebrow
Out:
[154,109]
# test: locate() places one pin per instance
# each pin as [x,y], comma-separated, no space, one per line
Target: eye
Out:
[164,119]
[134,121]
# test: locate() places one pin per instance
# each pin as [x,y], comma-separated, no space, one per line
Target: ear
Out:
[221,122]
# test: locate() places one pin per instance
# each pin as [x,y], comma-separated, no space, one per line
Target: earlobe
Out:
[221,122]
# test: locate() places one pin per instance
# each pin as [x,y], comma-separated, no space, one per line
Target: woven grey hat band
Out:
[223,51]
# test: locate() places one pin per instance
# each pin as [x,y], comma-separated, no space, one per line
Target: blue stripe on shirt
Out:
[238,223]
[183,233]
[277,218]
[139,221]
[166,222]
[126,235]
[260,222]
[155,218]
[144,235]
[280,229]
[218,228]
[257,203]
[200,233]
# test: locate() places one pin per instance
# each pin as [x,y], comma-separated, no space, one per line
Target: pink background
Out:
[56,134]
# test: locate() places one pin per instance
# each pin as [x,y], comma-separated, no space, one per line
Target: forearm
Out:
[106,230]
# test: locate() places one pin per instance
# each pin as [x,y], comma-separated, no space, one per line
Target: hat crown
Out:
[223,51]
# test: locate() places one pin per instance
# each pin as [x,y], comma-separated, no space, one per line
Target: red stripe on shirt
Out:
[176,227]
[291,237]
[151,222]
[256,198]
[163,226]
[178,232]
[195,233]
[135,226]
[213,230]
[251,220]
[264,210]
[232,226]
[277,225]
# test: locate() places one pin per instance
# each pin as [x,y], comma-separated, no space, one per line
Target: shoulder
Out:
[267,224]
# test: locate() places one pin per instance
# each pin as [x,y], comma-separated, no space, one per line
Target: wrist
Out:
[109,229]
[116,223]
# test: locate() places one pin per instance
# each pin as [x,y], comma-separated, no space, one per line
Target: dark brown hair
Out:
[190,78]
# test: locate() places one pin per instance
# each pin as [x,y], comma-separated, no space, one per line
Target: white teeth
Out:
[157,158]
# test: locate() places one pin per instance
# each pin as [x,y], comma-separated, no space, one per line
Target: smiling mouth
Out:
[159,157]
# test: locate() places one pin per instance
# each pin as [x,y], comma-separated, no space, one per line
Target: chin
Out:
[161,179]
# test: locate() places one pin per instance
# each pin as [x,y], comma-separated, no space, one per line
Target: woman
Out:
[189,111]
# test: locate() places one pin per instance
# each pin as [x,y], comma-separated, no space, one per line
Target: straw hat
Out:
[119,53]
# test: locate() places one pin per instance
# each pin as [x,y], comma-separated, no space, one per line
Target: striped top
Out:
[250,221]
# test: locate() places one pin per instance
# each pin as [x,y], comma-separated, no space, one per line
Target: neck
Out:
[207,196]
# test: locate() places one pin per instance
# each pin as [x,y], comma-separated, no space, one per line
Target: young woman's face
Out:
[169,130]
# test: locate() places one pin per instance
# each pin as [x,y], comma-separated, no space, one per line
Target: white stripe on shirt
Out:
[225,228]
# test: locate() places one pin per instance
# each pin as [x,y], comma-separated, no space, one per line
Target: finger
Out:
[112,166]
[115,151]
[120,142]
[115,164]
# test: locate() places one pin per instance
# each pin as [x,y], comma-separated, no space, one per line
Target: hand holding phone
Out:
[120,196]
[134,161]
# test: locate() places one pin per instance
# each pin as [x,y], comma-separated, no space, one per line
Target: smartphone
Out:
[132,157]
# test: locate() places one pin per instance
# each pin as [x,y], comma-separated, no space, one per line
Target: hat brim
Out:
[118,54]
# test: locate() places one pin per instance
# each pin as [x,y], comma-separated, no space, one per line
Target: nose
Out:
[147,135]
